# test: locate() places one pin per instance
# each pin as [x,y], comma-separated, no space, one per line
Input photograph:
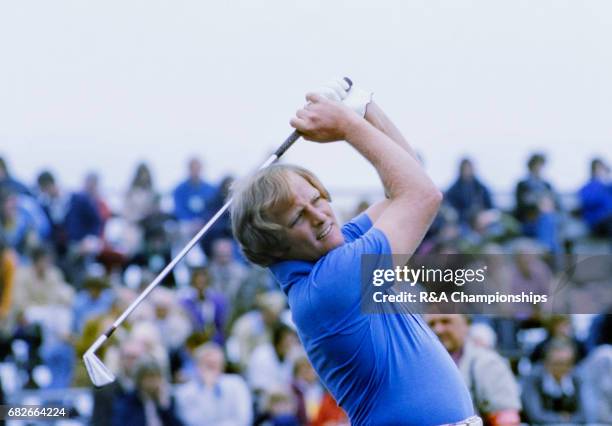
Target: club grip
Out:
[295,135]
[288,142]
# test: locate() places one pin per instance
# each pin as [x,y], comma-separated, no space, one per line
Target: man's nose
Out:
[315,215]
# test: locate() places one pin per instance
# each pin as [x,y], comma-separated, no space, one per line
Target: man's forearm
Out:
[397,167]
[377,118]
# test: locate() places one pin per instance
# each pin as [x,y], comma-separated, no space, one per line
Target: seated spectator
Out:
[94,299]
[596,372]
[84,217]
[279,410]
[271,365]
[558,327]
[468,195]
[103,398]
[222,228]
[214,398]
[141,199]
[8,182]
[141,205]
[55,205]
[488,376]
[22,221]
[205,308]
[596,199]
[155,253]
[255,327]
[226,273]
[600,331]
[538,205]
[307,390]
[529,273]
[169,319]
[193,197]
[42,283]
[84,225]
[150,336]
[258,281]
[150,403]
[553,394]
[8,266]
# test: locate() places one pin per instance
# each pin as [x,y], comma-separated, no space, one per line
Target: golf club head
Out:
[99,374]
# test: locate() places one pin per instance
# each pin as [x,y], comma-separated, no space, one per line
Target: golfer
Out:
[381,369]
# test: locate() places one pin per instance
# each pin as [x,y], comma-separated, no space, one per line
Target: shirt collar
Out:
[288,272]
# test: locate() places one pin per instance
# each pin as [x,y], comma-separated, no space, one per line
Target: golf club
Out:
[99,374]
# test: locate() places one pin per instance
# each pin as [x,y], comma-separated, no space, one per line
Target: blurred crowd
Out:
[215,344]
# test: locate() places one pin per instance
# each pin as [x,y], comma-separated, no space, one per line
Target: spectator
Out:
[174,327]
[307,390]
[55,205]
[600,331]
[222,227]
[94,299]
[192,198]
[226,273]
[141,199]
[155,253]
[214,398]
[41,283]
[150,403]
[255,327]
[257,281]
[103,398]
[8,266]
[84,217]
[22,221]
[558,327]
[488,376]
[8,182]
[205,307]
[271,365]
[97,324]
[529,273]
[553,394]
[279,410]
[537,205]
[468,195]
[596,371]
[596,199]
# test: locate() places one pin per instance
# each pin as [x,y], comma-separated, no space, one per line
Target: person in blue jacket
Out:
[382,369]
[193,196]
[596,199]
[468,195]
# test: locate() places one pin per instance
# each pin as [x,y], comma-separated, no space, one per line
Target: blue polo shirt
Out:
[382,369]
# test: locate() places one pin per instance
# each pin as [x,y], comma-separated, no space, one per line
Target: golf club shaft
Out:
[277,154]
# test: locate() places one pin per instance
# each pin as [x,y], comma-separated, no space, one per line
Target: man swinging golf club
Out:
[382,369]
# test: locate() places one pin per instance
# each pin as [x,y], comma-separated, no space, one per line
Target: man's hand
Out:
[324,120]
[356,98]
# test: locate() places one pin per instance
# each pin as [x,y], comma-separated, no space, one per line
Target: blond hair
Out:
[262,240]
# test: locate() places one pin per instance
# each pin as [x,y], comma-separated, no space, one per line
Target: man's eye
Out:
[295,221]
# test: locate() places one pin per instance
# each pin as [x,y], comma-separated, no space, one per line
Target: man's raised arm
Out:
[413,198]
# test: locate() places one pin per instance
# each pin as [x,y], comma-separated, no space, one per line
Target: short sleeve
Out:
[356,227]
[335,286]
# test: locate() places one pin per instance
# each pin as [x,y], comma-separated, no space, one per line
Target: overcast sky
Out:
[101,85]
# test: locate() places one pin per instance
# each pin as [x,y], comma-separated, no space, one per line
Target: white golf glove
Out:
[356,98]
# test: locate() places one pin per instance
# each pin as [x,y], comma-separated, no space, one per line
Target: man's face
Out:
[559,362]
[310,225]
[450,329]
[211,363]
[195,169]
